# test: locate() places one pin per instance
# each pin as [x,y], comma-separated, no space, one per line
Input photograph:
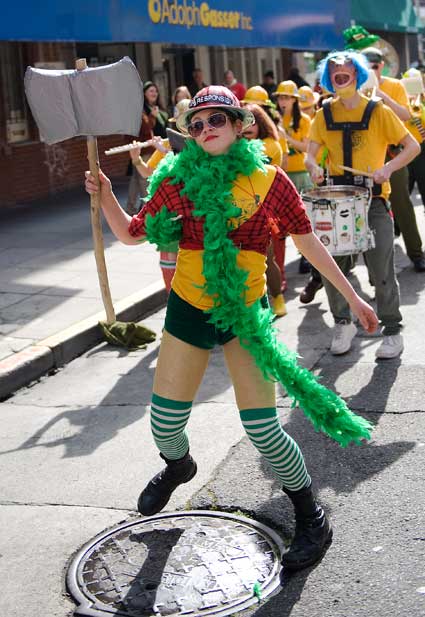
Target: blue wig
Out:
[360,63]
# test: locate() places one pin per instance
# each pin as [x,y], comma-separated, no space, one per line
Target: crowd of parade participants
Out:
[351,149]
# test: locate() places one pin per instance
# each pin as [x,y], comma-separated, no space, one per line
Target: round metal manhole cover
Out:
[191,563]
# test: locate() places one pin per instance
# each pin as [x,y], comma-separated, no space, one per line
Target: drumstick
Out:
[368,174]
[128,147]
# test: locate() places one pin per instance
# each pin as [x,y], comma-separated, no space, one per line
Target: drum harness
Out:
[347,129]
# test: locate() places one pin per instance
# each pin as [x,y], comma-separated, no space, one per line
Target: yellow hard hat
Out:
[288,88]
[257,95]
[308,98]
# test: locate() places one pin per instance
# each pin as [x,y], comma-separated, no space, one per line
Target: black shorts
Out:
[192,325]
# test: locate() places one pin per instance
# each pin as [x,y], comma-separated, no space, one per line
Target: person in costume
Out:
[356,131]
[219,198]
[264,129]
[393,93]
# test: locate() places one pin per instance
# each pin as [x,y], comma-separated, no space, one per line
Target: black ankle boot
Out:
[312,531]
[159,490]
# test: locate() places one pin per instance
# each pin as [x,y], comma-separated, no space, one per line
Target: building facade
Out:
[166,39]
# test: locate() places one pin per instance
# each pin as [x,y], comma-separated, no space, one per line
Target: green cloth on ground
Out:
[130,335]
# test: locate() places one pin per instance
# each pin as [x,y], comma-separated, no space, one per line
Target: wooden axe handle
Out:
[96,222]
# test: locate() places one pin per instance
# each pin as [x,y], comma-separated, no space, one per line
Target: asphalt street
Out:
[75,450]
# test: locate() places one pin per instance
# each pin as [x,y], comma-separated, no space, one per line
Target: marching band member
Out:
[357,130]
[394,95]
[256,95]
[219,198]
[294,127]
[308,101]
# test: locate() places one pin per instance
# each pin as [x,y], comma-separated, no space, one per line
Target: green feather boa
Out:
[208,183]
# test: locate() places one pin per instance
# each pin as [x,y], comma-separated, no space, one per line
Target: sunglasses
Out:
[215,121]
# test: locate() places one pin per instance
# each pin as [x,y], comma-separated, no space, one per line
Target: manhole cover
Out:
[186,563]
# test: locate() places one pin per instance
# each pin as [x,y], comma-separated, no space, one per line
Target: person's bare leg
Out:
[257,407]
[178,374]
[274,284]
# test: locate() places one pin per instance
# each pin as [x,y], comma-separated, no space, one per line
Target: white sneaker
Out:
[391,346]
[343,335]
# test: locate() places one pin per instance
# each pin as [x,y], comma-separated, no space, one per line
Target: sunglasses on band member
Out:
[215,121]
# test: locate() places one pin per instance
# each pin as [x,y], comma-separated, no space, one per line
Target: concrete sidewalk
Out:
[50,300]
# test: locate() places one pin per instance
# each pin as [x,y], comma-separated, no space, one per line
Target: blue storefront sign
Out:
[310,24]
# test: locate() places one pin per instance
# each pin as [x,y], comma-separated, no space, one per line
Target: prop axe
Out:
[105,100]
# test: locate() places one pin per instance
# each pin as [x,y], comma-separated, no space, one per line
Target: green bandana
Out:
[208,182]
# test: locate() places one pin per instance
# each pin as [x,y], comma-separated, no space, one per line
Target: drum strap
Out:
[347,145]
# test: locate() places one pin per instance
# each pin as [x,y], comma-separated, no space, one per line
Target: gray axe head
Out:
[105,100]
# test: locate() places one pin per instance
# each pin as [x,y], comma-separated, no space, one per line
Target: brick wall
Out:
[34,170]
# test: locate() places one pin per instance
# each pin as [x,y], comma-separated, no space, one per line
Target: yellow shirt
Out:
[189,279]
[417,120]
[296,159]
[369,147]
[273,150]
[157,156]
[396,90]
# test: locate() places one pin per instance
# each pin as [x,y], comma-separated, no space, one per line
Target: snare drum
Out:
[338,215]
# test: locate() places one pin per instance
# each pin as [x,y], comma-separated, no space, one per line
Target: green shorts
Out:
[191,325]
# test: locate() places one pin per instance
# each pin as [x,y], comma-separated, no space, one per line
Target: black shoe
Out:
[313,532]
[304,266]
[310,290]
[159,490]
[419,264]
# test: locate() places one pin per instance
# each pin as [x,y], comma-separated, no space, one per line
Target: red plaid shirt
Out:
[282,203]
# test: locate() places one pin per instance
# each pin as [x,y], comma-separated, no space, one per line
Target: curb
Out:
[20,369]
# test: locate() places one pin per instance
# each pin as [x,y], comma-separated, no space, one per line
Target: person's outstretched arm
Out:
[317,254]
[118,220]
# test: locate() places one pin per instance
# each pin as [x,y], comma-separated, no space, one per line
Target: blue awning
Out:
[310,24]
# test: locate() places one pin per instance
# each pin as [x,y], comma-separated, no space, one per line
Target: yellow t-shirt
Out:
[396,90]
[296,159]
[157,156]
[369,147]
[273,150]
[189,280]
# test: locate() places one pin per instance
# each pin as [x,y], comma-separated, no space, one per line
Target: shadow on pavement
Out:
[100,423]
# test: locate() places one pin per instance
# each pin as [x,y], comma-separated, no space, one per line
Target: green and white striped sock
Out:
[265,432]
[168,423]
